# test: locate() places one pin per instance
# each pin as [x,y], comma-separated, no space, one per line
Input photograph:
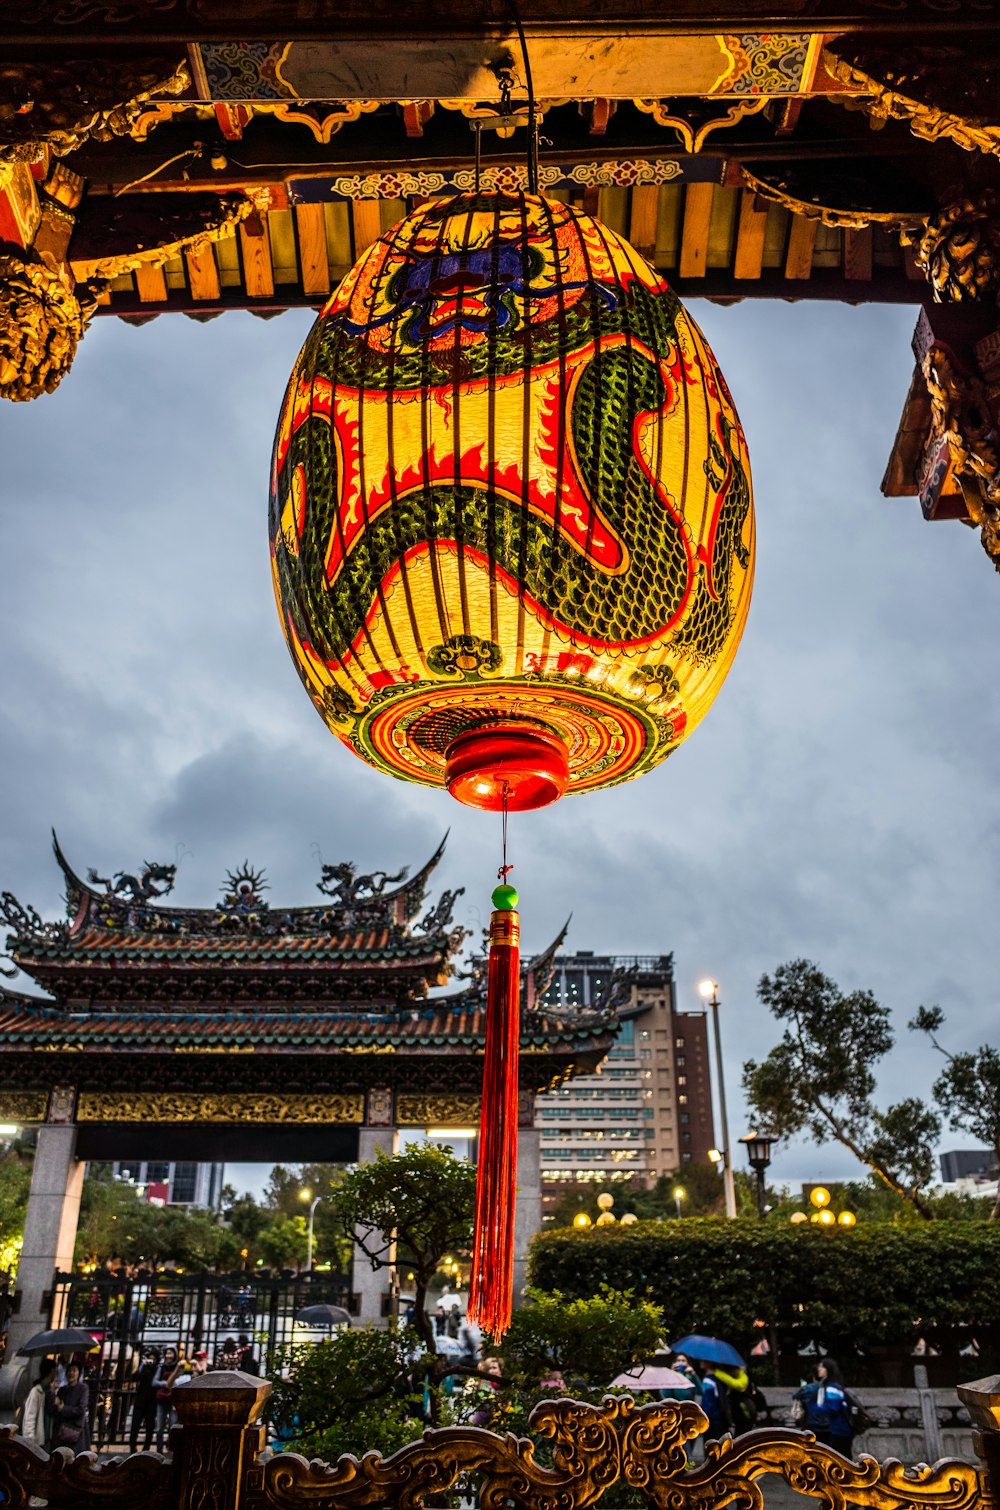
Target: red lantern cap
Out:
[530,764]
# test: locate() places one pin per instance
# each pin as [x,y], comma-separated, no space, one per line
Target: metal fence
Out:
[222,1315]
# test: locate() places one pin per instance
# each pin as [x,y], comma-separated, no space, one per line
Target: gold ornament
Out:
[41,321]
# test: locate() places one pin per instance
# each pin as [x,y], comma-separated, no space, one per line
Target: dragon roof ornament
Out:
[131,902]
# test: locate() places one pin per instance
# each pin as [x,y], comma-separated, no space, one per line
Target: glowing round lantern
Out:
[511,520]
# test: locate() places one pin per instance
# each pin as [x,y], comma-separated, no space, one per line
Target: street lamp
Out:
[758,1147]
[304,1195]
[710,993]
[679,1194]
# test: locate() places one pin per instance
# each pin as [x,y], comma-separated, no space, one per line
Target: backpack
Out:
[746,1407]
[858,1418]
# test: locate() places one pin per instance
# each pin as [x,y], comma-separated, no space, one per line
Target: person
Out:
[440,1321]
[744,1398]
[826,1406]
[186,1371]
[470,1340]
[248,1358]
[680,1364]
[714,1401]
[230,1356]
[71,1423]
[481,1389]
[144,1401]
[164,1412]
[36,1422]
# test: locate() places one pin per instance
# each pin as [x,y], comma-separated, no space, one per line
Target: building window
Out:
[681,1061]
[682,1101]
[185,1183]
[685,1119]
[682,1080]
[678,1043]
[157,1174]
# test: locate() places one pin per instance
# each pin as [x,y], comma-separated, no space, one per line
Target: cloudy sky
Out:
[838,803]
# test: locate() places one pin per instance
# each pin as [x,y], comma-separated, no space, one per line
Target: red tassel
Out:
[491,1288]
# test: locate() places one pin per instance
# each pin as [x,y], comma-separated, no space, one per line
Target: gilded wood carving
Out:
[23,1106]
[961,415]
[29,1476]
[885,101]
[191,1106]
[41,321]
[442,1110]
[593,1447]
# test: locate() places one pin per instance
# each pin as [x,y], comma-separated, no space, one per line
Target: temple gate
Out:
[246,1031]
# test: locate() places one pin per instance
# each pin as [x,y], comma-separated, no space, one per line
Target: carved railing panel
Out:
[84,1482]
[594,1447]
[580,1452]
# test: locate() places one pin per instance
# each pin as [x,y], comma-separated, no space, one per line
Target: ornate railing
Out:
[580,1453]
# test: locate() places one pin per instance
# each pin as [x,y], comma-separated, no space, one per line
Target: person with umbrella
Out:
[71,1421]
[36,1422]
[710,1353]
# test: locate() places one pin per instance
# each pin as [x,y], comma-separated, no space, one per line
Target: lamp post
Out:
[304,1196]
[710,993]
[758,1147]
[679,1194]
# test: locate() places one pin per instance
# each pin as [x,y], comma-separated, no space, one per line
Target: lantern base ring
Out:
[530,765]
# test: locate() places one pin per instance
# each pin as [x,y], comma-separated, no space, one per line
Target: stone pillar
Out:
[528,1210]
[981,1399]
[50,1224]
[369,1284]
[49,1227]
[218,1439]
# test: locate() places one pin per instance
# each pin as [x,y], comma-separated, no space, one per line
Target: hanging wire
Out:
[195,151]
[532,115]
[505,869]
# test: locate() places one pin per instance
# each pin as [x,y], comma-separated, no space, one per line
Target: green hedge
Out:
[859,1293]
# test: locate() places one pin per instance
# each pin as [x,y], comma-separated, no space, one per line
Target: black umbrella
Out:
[323,1316]
[67,1339]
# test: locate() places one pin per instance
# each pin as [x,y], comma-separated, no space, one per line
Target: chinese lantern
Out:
[511,524]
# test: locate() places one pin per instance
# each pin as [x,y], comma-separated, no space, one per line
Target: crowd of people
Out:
[57,1412]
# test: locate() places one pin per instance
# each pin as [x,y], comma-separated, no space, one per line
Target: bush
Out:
[852,1293]
[347,1394]
[589,1339]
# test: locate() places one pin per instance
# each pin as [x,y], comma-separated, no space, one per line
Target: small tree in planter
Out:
[420,1201]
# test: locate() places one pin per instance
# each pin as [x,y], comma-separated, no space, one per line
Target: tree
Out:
[968,1088]
[820,1079]
[421,1200]
[291,1189]
[15,1182]
[284,1241]
[115,1222]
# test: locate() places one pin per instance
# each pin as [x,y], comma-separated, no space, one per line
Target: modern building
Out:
[963,1163]
[646,1110]
[175,1184]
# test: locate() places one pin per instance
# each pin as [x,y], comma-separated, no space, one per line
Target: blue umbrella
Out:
[708,1350]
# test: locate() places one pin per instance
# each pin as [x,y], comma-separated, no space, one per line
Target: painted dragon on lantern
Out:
[509,482]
